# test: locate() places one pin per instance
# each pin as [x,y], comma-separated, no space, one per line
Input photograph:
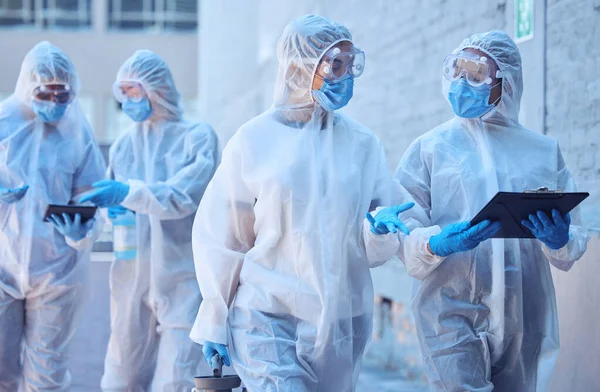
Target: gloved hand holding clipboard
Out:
[511,208]
[86,212]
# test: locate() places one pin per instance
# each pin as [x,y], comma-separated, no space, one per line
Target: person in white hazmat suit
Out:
[487,318]
[48,155]
[158,169]
[281,244]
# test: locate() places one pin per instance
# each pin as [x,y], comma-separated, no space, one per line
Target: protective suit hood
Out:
[45,64]
[153,74]
[502,49]
[299,50]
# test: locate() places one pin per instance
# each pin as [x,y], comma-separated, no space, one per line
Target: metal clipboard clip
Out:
[542,190]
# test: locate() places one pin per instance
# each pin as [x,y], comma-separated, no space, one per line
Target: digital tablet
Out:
[86,212]
[511,208]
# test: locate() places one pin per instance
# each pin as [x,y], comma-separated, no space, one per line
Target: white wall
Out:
[237,57]
[578,296]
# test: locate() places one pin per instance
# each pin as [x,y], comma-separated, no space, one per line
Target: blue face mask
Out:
[334,96]
[137,111]
[468,101]
[48,111]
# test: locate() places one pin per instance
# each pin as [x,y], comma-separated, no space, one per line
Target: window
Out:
[46,14]
[159,15]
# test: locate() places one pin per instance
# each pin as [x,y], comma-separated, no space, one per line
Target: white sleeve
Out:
[419,261]
[223,232]
[179,196]
[411,249]
[412,181]
[565,257]
[379,248]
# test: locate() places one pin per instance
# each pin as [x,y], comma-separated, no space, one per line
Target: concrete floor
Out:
[89,348]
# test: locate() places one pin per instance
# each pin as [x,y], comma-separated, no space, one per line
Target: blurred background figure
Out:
[222,57]
[48,156]
[158,171]
[98,35]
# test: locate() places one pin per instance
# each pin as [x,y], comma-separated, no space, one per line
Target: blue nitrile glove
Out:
[387,220]
[108,193]
[211,349]
[72,229]
[114,212]
[9,196]
[461,237]
[552,232]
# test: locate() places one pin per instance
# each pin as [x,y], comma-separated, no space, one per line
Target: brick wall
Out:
[573,92]
[399,95]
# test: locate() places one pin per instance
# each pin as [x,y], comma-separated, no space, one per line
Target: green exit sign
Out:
[523,20]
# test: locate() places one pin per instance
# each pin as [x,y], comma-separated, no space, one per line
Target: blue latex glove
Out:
[108,193]
[211,349]
[387,220]
[552,232]
[9,196]
[114,212]
[73,229]
[461,237]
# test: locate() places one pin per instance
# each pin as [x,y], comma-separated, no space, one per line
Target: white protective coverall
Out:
[487,318]
[281,244]
[43,275]
[167,162]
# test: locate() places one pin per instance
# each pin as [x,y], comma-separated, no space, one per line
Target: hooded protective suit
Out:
[487,318]
[281,246]
[43,275]
[167,162]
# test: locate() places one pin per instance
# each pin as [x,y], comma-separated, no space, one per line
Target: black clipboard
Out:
[86,212]
[510,208]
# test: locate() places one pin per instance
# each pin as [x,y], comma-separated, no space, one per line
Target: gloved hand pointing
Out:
[461,237]
[386,220]
[9,196]
[108,193]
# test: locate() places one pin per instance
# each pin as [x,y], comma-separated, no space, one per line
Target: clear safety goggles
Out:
[128,91]
[476,70]
[335,64]
[59,93]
